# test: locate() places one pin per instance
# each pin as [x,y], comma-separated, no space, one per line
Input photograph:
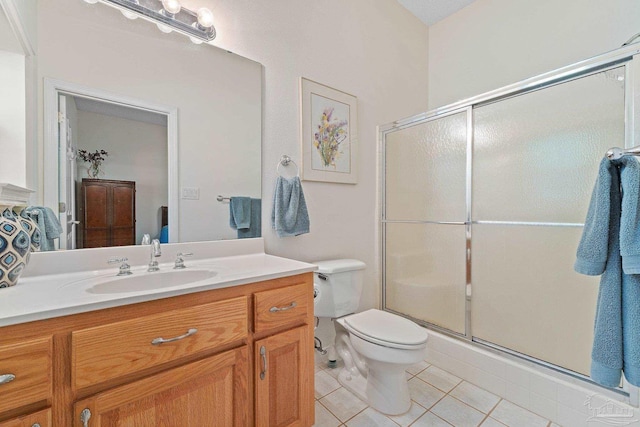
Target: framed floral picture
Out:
[329,133]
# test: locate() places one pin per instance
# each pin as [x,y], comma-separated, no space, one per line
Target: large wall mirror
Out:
[181,125]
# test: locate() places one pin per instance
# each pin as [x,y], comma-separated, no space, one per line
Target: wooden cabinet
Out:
[37,419]
[283,387]
[188,360]
[25,373]
[107,213]
[210,392]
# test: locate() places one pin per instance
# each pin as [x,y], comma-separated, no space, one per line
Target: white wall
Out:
[492,43]
[137,152]
[373,49]
[12,118]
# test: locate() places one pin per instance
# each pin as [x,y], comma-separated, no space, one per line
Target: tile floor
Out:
[438,399]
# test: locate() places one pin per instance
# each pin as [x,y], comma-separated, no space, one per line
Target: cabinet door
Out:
[37,419]
[284,379]
[210,392]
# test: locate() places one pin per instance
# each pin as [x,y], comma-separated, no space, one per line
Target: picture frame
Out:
[329,134]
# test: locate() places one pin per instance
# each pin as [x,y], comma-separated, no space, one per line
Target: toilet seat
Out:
[386,329]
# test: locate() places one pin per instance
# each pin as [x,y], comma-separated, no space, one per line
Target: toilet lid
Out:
[387,329]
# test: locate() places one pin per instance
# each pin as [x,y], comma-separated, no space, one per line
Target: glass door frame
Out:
[622,57]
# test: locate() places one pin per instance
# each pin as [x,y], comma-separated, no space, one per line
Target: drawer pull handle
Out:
[6,378]
[288,307]
[263,354]
[161,340]
[85,415]
[36,425]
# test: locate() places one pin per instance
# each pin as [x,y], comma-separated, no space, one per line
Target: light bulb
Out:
[129,15]
[195,40]
[171,6]
[205,17]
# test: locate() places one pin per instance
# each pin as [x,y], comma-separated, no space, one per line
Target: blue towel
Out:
[48,224]
[255,229]
[240,213]
[289,216]
[616,344]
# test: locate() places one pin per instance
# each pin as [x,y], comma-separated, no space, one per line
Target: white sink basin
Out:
[149,281]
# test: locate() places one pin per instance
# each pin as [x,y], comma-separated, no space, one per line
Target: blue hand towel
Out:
[255,230]
[630,219]
[289,216]
[240,213]
[616,344]
[48,224]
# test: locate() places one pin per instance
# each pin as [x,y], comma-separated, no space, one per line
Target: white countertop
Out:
[53,295]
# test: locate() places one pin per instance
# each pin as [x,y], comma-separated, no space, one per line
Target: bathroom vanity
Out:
[233,349]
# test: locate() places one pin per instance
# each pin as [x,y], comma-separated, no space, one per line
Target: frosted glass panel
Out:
[425,272]
[536,156]
[425,170]
[526,296]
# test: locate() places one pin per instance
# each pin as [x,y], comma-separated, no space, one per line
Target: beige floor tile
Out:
[406,419]
[474,396]
[423,393]
[343,404]
[324,418]
[370,417]
[334,372]
[515,416]
[418,367]
[440,379]
[430,420]
[325,384]
[457,413]
[490,422]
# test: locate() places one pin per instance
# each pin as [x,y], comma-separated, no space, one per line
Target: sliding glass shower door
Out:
[426,213]
[483,211]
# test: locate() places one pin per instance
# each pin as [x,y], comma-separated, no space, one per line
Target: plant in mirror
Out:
[111,84]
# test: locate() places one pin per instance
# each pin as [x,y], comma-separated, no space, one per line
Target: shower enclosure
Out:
[483,204]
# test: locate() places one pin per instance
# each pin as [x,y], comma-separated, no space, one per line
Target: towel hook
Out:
[286,161]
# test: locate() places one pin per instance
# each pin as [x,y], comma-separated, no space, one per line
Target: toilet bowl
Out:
[377,347]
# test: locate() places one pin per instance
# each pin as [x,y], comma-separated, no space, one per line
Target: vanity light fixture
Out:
[168,15]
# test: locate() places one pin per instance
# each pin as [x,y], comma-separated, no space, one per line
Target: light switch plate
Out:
[191,193]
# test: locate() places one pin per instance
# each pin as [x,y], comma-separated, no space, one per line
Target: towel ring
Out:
[285,161]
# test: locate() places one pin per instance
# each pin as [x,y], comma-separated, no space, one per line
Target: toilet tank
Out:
[337,286]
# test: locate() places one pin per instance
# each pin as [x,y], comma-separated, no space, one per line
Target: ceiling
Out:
[432,11]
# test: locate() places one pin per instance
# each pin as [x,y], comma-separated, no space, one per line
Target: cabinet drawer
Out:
[110,351]
[25,373]
[40,419]
[281,307]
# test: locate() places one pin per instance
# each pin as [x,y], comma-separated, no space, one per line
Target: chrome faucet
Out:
[179,264]
[155,253]
[124,267]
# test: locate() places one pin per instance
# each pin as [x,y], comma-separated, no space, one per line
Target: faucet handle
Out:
[124,267]
[180,259]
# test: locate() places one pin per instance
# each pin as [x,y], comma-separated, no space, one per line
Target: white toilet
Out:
[376,346]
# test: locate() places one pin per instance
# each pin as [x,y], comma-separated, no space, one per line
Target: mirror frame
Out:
[53,88]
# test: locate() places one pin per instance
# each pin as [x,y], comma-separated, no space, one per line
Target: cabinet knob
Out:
[6,378]
[85,415]
[263,354]
[288,307]
[160,340]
